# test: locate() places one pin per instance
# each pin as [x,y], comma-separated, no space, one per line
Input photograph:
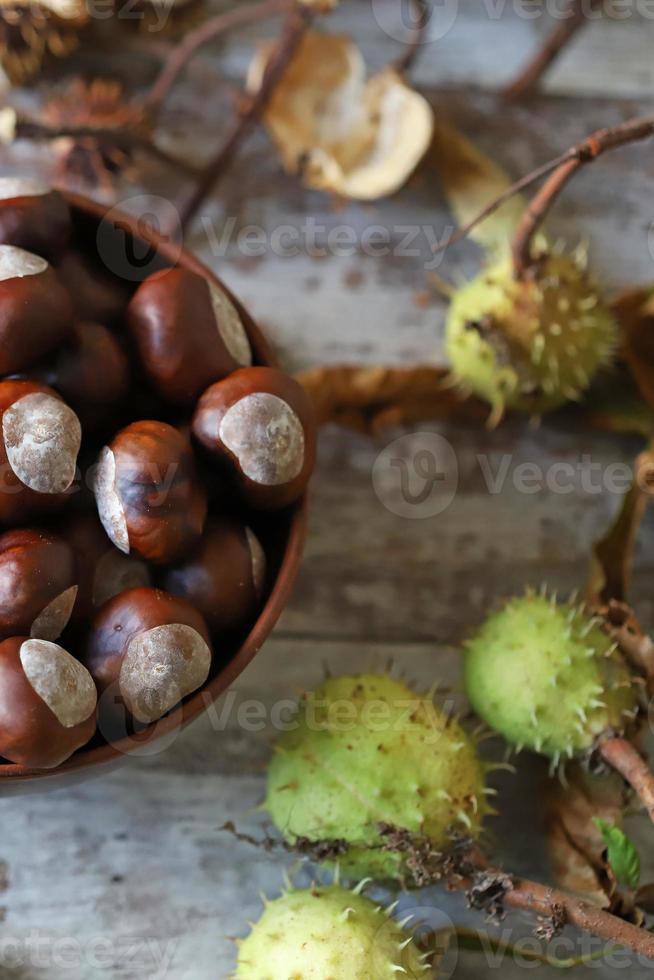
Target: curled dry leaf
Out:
[359,138]
[30,30]
[634,310]
[471,180]
[575,844]
[370,399]
[613,554]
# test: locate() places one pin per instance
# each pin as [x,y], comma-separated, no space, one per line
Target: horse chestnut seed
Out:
[48,703]
[150,649]
[38,584]
[260,423]
[103,571]
[148,494]
[223,577]
[33,216]
[36,313]
[91,371]
[39,444]
[188,333]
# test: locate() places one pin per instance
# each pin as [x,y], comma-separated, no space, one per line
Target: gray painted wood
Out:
[127,876]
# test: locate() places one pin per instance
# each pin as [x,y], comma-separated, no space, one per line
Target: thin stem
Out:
[531,74]
[181,55]
[477,941]
[406,62]
[587,151]
[297,22]
[625,759]
[589,148]
[558,906]
[123,138]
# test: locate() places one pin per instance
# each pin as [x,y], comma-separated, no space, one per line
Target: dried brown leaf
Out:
[370,399]
[471,180]
[575,845]
[634,309]
[613,554]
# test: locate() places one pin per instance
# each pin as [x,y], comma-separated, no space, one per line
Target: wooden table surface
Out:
[127,876]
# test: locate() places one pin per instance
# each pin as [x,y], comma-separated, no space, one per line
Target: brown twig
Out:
[405,63]
[531,74]
[297,22]
[584,152]
[216,26]
[625,758]
[122,138]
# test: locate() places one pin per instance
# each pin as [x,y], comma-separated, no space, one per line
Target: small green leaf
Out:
[622,855]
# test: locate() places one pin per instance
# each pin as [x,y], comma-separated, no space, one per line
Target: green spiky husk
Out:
[533,344]
[367,750]
[330,932]
[548,678]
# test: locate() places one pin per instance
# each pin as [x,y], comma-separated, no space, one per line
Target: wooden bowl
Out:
[282,534]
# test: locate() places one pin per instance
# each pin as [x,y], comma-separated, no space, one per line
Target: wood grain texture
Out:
[127,876]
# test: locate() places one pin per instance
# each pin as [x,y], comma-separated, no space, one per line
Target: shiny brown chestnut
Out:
[38,584]
[147,650]
[40,440]
[36,313]
[103,571]
[95,294]
[33,216]
[91,371]
[260,423]
[148,494]
[188,333]
[223,577]
[48,703]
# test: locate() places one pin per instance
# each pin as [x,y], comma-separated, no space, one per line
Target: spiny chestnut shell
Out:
[366,750]
[150,499]
[33,217]
[121,621]
[19,502]
[38,584]
[259,423]
[31,734]
[328,932]
[36,313]
[188,334]
[223,577]
[547,677]
[529,344]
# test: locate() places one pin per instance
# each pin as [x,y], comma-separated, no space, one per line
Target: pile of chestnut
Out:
[140,451]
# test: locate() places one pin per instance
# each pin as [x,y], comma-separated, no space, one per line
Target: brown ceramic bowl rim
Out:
[196,704]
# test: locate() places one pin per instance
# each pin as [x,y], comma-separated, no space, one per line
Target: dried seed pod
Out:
[36,313]
[33,217]
[223,577]
[259,422]
[188,333]
[41,438]
[48,703]
[148,650]
[148,494]
[38,584]
[103,571]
